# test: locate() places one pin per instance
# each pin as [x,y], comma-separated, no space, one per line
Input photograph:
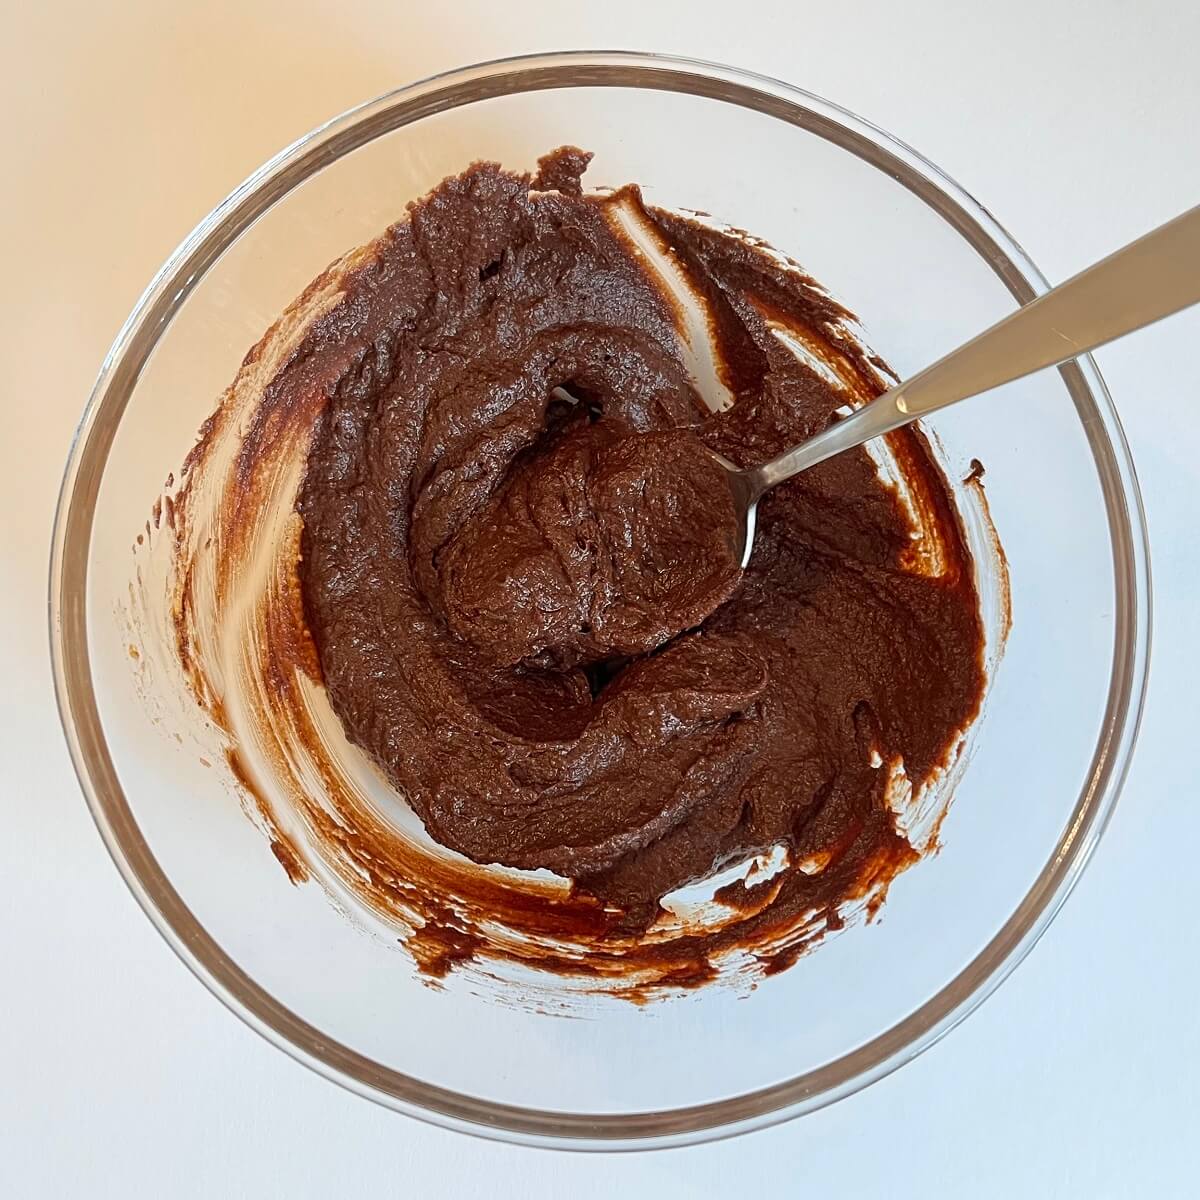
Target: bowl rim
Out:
[97,776]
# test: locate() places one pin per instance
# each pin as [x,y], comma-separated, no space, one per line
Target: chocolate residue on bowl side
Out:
[465,411]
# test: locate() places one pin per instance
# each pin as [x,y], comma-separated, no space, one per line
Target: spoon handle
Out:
[1151,278]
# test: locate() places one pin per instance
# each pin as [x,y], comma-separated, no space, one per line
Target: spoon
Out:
[1151,278]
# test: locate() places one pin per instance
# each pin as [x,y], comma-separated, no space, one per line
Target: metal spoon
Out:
[1151,278]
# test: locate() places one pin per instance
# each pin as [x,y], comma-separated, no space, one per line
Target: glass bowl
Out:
[924,266]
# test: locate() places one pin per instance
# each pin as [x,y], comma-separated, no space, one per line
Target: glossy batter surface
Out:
[517,561]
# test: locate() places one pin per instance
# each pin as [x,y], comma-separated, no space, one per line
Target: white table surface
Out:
[1075,122]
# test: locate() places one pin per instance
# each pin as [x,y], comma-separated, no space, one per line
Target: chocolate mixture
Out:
[518,562]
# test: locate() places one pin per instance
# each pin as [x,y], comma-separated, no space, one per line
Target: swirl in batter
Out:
[517,559]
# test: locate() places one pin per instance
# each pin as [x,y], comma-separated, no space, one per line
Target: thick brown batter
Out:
[517,562]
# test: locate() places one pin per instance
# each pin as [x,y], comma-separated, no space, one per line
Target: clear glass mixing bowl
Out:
[924,266]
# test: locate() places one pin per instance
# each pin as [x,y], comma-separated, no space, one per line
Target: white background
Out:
[1076,123]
